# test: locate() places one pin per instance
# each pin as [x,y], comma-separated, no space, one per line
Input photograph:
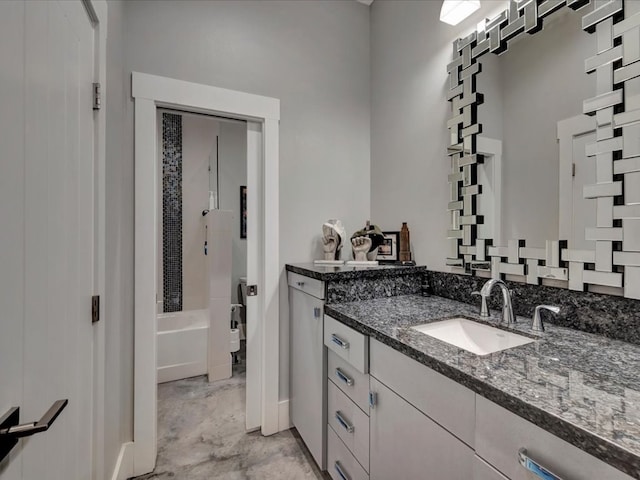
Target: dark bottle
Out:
[405,249]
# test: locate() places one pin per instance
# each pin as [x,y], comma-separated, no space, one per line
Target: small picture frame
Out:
[388,251]
[243,211]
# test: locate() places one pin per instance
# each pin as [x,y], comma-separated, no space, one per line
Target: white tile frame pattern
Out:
[616,108]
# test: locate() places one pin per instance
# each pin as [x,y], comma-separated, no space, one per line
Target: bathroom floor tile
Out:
[201,436]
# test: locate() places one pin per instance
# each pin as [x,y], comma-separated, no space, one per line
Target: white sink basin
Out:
[473,336]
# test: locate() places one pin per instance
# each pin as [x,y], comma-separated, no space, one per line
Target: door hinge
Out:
[95,308]
[252,290]
[573,169]
[97,96]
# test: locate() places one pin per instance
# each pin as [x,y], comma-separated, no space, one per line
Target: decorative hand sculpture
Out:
[375,237]
[332,235]
[330,245]
[361,246]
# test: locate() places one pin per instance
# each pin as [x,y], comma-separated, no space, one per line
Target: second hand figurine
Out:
[365,245]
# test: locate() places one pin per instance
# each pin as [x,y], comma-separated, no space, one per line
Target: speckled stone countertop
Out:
[581,387]
[346,272]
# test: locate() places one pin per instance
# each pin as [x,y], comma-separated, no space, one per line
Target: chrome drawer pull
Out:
[346,425]
[344,377]
[342,473]
[338,341]
[534,467]
[316,312]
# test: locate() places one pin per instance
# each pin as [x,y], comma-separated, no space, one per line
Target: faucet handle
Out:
[484,308]
[537,325]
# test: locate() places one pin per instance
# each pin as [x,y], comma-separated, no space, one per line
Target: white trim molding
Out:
[151,92]
[124,464]
[284,419]
[99,17]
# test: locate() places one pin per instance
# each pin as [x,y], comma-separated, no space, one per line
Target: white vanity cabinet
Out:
[405,443]
[411,425]
[388,416]
[307,366]
[500,434]
[348,401]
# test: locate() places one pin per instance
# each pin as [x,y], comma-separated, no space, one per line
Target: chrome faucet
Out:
[537,325]
[507,308]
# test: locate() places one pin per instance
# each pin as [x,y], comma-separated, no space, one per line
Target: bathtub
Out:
[182,344]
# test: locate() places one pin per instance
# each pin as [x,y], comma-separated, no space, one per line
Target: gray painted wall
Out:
[118,301]
[314,57]
[410,49]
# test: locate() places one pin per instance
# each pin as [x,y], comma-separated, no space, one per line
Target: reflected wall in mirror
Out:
[527,90]
[520,121]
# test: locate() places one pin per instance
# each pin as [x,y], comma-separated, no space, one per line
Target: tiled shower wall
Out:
[172,212]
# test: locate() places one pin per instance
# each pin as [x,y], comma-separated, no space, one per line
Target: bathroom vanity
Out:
[399,403]
[309,287]
[435,407]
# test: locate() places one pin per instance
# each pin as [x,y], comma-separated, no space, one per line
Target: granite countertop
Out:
[581,387]
[347,272]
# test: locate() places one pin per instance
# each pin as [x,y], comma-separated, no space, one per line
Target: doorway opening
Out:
[261,114]
[202,245]
[201,283]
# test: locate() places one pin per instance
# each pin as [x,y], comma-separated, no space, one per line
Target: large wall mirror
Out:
[545,145]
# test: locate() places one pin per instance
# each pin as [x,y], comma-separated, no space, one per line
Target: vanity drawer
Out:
[308,285]
[341,464]
[445,401]
[349,423]
[500,434]
[347,343]
[354,384]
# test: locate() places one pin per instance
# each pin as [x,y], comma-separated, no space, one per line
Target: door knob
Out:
[11,430]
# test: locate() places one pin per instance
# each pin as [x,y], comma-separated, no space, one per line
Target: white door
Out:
[576,170]
[47,232]
[254,275]
[584,209]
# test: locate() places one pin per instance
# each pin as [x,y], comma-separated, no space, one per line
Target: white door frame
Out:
[149,93]
[98,14]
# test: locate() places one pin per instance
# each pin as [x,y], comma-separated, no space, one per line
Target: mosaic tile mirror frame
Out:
[615,262]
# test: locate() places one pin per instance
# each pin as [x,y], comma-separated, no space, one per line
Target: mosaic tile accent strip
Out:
[608,315]
[172,211]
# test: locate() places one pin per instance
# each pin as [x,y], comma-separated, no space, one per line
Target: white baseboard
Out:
[124,465]
[284,422]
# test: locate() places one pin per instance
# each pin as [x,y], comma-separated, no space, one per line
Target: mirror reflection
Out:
[536,87]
